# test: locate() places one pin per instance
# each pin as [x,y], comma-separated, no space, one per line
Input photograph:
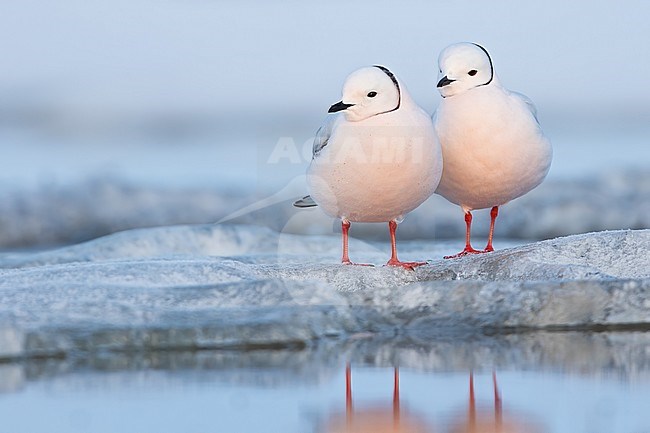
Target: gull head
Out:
[368,92]
[463,66]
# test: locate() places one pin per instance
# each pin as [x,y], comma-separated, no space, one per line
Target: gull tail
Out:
[305,202]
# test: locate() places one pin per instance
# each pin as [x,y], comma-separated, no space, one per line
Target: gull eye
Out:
[372,94]
[472,72]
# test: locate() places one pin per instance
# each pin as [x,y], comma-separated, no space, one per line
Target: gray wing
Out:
[323,135]
[320,141]
[529,103]
[305,202]
[434,115]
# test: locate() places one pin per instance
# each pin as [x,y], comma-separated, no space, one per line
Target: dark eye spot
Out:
[372,94]
[472,72]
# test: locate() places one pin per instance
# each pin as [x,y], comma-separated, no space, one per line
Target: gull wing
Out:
[320,141]
[323,135]
[529,103]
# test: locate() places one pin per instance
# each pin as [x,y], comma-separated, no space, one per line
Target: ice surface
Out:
[220,286]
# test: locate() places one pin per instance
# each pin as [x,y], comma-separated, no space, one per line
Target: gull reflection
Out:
[480,419]
[377,418]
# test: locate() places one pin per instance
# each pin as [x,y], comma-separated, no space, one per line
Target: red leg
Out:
[396,405]
[498,406]
[471,415]
[345,228]
[468,246]
[493,217]
[348,393]
[394,261]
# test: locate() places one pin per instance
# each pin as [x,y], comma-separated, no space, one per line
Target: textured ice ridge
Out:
[194,287]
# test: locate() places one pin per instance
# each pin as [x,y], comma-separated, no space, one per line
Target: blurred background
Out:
[138,113]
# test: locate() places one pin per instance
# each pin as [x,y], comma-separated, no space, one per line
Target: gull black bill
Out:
[444,81]
[339,106]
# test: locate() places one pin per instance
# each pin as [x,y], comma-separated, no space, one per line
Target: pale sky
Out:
[256,55]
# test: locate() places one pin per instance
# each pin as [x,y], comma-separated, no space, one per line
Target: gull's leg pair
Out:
[468,224]
[498,404]
[394,261]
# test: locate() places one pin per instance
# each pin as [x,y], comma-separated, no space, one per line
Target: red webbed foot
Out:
[466,252]
[406,265]
[348,262]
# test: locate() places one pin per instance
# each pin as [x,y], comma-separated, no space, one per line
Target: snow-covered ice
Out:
[220,286]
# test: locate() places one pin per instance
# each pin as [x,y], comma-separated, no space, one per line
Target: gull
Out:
[492,144]
[375,159]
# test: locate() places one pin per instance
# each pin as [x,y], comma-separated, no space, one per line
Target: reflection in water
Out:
[574,382]
[378,418]
[480,419]
[12,378]
[392,418]
[243,392]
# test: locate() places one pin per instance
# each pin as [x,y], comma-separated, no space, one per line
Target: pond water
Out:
[533,382]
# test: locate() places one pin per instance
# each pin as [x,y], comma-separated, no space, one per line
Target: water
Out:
[598,386]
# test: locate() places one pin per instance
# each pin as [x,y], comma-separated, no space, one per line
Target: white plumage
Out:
[377,158]
[493,146]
